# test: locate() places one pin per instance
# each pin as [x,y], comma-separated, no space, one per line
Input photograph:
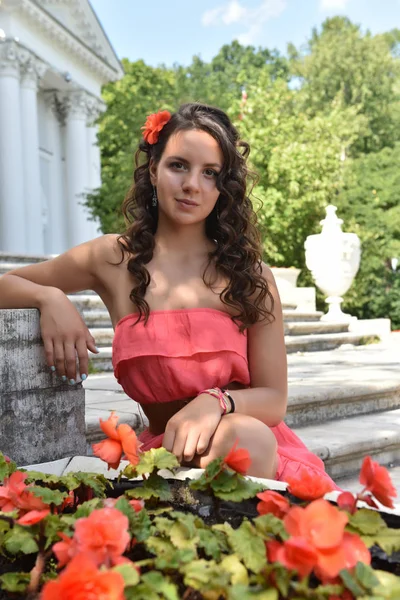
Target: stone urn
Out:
[333,258]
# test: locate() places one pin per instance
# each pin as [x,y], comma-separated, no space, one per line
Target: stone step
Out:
[21,259]
[5,267]
[325,341]
[342,444]
[314,327]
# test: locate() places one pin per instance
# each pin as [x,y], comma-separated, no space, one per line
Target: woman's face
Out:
[188,171]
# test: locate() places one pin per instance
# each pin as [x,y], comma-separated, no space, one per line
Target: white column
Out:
[77,168]
[31,71]
[12,209]
[56,235]
[95,107]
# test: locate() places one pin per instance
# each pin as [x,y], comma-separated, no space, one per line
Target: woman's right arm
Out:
[44,286]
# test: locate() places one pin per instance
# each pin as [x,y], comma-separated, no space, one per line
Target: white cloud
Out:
[253,18]
[333,4]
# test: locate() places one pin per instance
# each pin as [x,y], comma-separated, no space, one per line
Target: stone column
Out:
[12,206]
[31,70]
[42,419]
[95,107]
[77,168]
[56,235]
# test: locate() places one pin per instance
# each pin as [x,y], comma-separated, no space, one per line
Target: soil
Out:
[200,504]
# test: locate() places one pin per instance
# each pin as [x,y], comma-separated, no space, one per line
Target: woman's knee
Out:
[253,435]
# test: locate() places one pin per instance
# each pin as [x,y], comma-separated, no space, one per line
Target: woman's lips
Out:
[188,203]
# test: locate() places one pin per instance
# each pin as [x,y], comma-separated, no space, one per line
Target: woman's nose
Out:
[192,181]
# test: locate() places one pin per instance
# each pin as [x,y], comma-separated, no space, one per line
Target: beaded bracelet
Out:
[231,400]
[223,401]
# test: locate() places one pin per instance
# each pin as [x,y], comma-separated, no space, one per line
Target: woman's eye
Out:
[211,173]
[176,165]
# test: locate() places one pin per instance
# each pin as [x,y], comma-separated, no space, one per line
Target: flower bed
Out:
[80,536]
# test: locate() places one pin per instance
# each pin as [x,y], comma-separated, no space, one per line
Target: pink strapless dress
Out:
[182,352]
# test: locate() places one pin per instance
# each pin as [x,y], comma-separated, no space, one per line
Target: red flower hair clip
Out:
[154,124]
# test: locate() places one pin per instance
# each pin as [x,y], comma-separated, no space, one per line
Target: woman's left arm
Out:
[266,399]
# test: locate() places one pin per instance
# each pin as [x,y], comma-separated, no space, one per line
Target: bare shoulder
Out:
[79,268]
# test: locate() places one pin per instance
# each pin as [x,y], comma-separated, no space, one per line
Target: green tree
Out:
[369,205]
[362,68]
[298,160]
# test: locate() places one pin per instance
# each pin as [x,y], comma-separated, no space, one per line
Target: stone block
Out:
[41,419]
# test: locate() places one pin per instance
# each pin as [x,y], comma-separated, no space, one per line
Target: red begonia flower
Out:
[65,550]
[299,555]
[308,486]
[272,502]
[347,501]
[15,494]
[121,441]
[82,580]
[33,516]
[322,526]
[103,534]
[238,460]
[154,124]
[377,480]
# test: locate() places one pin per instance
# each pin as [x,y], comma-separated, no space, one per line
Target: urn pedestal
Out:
[333,258]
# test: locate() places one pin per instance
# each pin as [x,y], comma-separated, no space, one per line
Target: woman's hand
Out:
[64,335]
[189,431]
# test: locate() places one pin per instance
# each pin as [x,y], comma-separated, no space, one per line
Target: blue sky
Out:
[173,31]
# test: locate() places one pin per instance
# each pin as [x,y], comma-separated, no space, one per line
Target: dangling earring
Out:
[218,210]
[154,200]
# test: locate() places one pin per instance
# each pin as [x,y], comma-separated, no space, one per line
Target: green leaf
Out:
[153,487]
[14,582]
[98,483]
[52,525]
[175,560]
[243,592]
[156,459]
[388,539]
[183,536]
[245,488]
[159,583]
[248,546]
[203,575]
[212,470]
[238,572]
[36,476]
[282,578]
[20,539]
[129,573]
[139,522]
[225,482]
[208,540]
[367,521]
[269,524]
[388,587]
[86,508]
[6,468]
[351,583]
[366,576]
[47,495]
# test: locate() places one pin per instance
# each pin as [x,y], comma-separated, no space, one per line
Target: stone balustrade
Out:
[41,419]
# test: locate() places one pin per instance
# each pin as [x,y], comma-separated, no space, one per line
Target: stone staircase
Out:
[344,392]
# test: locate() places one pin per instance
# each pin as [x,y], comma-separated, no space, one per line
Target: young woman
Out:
[198,322]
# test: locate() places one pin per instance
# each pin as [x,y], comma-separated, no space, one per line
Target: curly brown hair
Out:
[231,224]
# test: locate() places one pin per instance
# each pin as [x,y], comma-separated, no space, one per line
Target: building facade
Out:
[54,59]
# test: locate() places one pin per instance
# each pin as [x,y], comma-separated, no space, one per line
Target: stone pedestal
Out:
[41,419]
